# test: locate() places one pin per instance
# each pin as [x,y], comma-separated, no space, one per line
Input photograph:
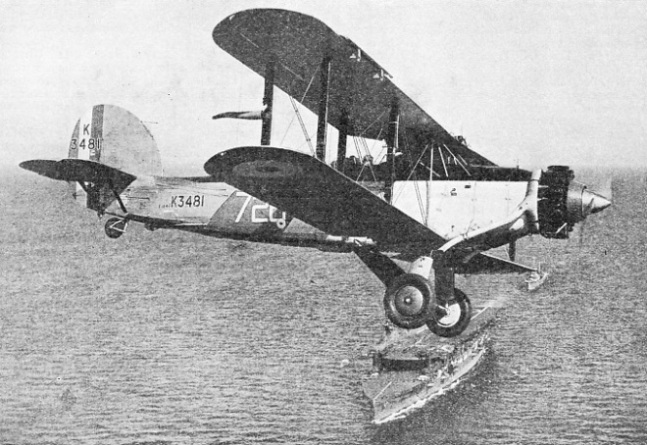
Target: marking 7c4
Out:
[263,213]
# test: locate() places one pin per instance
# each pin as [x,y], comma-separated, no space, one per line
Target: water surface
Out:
[173,337]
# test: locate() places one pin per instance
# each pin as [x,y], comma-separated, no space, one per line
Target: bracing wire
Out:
[413,170]
[298,115]
[303,126]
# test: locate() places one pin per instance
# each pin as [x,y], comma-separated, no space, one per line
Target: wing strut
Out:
[323,108]
[268,100]
[391,148]
[343,136]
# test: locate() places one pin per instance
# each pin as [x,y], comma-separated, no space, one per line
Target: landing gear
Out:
[412,300]
[406,301]
[449,320]
[115,227]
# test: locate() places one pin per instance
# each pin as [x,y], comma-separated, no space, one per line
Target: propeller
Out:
[586,212]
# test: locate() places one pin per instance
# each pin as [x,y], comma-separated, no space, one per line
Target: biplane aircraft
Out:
[430,209]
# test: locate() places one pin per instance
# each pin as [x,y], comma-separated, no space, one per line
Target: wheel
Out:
[452,319]
[406,301]
[115,227]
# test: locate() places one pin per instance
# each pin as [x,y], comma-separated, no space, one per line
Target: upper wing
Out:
[319,195]
[358,85]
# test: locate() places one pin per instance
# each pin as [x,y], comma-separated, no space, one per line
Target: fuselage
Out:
[449,208]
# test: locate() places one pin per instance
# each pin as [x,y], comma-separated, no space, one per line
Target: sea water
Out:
[172,337]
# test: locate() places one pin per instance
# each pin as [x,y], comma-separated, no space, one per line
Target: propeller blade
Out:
[586,212]
[594,202]
[512,250]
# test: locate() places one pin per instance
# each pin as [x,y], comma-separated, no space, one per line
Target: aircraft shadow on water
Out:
[432,208]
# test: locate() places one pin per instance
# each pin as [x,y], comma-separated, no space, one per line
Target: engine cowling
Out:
[552,202]
[563,202]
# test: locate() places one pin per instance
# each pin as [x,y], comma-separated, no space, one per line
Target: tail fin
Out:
[108,136]
[115,137]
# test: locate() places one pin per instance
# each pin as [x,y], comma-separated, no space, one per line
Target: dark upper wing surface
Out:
[319,195]
[358,85]
[326,199]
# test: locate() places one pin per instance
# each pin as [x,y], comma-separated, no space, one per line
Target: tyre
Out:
[115,227]
[452,319]
[406,301]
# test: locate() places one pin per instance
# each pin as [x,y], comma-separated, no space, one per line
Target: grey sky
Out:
[538,82]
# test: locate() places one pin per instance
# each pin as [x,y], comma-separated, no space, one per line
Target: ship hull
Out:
[411,368]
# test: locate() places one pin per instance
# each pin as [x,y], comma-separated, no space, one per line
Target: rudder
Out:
[113,136]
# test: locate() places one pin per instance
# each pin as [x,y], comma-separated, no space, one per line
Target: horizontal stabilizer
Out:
[78,170]
[101,183]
